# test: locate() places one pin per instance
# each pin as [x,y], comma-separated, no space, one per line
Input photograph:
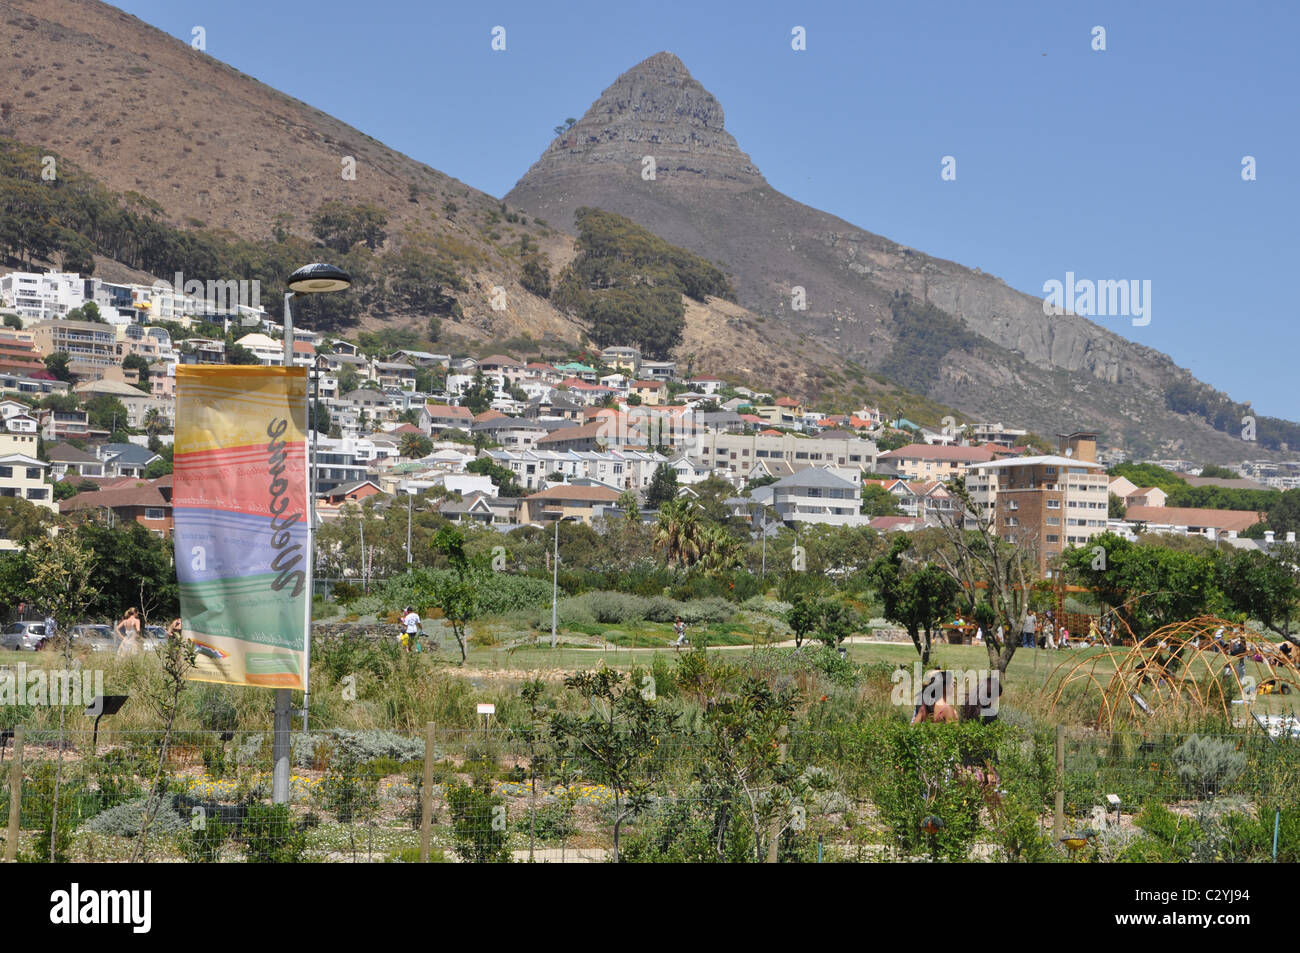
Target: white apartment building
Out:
[734,454]
[41,297]
[624,469]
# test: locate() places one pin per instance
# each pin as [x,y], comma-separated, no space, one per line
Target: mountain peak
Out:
[655,127]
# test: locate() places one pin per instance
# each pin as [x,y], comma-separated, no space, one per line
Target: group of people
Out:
[1049,634]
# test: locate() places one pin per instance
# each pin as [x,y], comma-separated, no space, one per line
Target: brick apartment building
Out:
[1048,503]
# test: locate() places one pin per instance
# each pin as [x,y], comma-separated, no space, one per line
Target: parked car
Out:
[155,637]
[23,636]
[98,638]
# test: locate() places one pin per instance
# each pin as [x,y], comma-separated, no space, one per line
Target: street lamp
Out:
[555,575]
[316,278]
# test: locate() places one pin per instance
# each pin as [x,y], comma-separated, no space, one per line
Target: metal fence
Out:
[500,795]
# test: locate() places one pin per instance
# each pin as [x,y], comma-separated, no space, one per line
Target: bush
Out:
[272,836]
[204,844]
[1208,765]
[125,819]
[478,823]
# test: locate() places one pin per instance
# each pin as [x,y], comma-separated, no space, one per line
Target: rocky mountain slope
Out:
[961,336]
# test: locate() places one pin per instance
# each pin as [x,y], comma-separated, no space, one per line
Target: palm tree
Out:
[719,550]
[153,422]
[414,445]
[678,532]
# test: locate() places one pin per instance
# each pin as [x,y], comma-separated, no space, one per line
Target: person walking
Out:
[413,629]
[128,630]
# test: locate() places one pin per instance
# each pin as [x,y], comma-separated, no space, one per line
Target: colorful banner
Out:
[241,509]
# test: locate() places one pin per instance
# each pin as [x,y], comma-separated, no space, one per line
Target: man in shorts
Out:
[412,629]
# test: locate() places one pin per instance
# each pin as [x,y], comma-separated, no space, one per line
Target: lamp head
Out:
[317,278]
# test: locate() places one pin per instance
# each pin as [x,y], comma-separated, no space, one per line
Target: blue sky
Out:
[1122,164]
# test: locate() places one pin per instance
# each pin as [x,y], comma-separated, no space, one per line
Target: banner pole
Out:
[281,727]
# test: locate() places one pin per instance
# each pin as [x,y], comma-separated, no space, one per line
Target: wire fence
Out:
[501,795]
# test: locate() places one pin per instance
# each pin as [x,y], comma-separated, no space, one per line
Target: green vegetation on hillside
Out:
[924,335]
[74,217]
[1227,416]
[626,284]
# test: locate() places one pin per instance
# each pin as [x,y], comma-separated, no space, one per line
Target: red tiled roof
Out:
[140,494]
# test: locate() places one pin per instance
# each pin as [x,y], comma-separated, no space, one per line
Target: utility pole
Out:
[555,581]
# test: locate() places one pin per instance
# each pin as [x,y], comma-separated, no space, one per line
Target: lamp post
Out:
[555,576]
[410,496]
[316,278]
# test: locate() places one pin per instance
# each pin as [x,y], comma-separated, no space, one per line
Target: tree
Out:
[978,558]
[414,446]
[502,479]
[877,501]
[1284,514]
[535,278]
[747,732]
[21,520]
[160,467]
[565,126]
[106,413]
[803,617]
[1115,507]
[57,365]
[1213,471]
[13,321]
[1265,586]
[678,532]
[719,550]
[238,354]
[457,593]
[618,738]
[663,486]
[134,569]
[917,597]
[87,312]
[339,225]
[1149,585]
[478,395]
[61,572]
[154,422]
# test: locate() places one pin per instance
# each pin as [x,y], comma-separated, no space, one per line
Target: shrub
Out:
[205,843]
[272,836]
[1208,764]
[478,823]
[125,819]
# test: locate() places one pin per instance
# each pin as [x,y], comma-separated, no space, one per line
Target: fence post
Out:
[426,794]
[1058,818]
[15,795]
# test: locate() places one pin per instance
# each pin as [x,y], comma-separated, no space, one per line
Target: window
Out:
[1053,521]
[1012,521]
[33,473]
[1053,504]
[1053,538]
[6,472]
